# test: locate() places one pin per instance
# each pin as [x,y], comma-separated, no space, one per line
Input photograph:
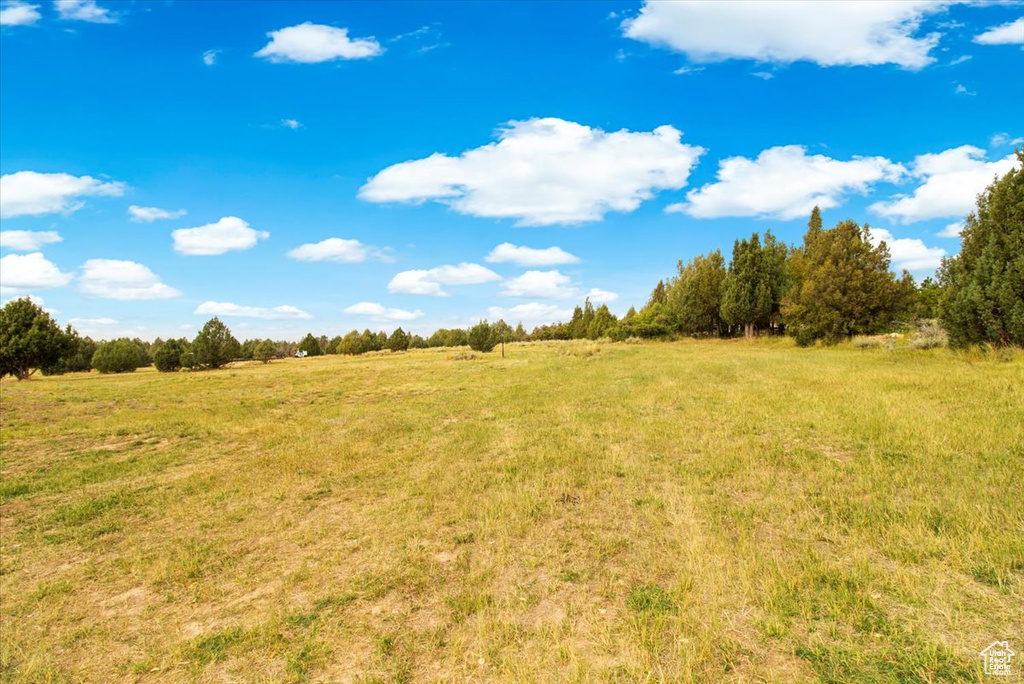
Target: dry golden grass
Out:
[696,511]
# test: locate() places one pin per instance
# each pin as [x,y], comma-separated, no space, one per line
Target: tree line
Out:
[836,284]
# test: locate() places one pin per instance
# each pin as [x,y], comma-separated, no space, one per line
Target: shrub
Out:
[167,358]
[462,356]
[481,337]
[865,342]
[118,356]
[265,351]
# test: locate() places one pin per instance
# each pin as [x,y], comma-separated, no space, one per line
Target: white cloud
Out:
[506,252]
[763,75]
[92,322]
[952,230]
[28,193]
[339,250]
[21,271]
[599,296]
[542,284]
[1011,33]
[18,14]
[83,10]
[1001,139]
[950,184]
[309,43]
[683,70]
[38,301]
[430,282]
[228,234]
[150,214]
[291,123]
[276,313]
[27,240]
[382,314]
[210,57]
[909,253]
[114,279]
[961,89]
[860,32]
[531,312]
[784,183]
[544,172]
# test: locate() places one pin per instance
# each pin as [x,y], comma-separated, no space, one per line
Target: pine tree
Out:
[399,341]
[481,337]
[265,351]
[983,302]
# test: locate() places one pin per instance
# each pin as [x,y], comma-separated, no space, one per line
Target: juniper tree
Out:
[213,346]
[398,341]
[29,339]
[983,302]
[843,286]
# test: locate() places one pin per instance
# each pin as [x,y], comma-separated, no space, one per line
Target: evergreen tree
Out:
[118,356]
[76,357]
[399,341]
[29,339]
[983,302]
[265,351]
[481,337]
[167,358]
[843,286]
[746,293]
[929,296]
[334,346]
[694,298]
[213,346]
[310,345]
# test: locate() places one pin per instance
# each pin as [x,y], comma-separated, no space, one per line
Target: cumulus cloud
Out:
[28,193]
[430,282]
[126,280]
[827,33]
[1011,33]
[339,250]
[544,172]
[382,314]
[952,230]
[150,214]
[276,313]
[540,284]
[83,10]
[784,183]
[210,57]
[21,271]
[18,14]
[599,296]
[226,235]
[506,252]
[950,183]
[909,253]
[309,43]
[531,312]
[27,240]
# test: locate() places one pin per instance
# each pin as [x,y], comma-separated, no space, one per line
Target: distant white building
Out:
[301,354]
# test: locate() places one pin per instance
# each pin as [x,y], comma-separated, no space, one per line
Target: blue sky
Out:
[324,166]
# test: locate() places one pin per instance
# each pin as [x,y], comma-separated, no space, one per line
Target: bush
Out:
[481,337]
[865,342]
[167,358]
[118,356]
[265,351]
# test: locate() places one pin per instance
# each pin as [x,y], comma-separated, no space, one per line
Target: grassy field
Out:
[695,511]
